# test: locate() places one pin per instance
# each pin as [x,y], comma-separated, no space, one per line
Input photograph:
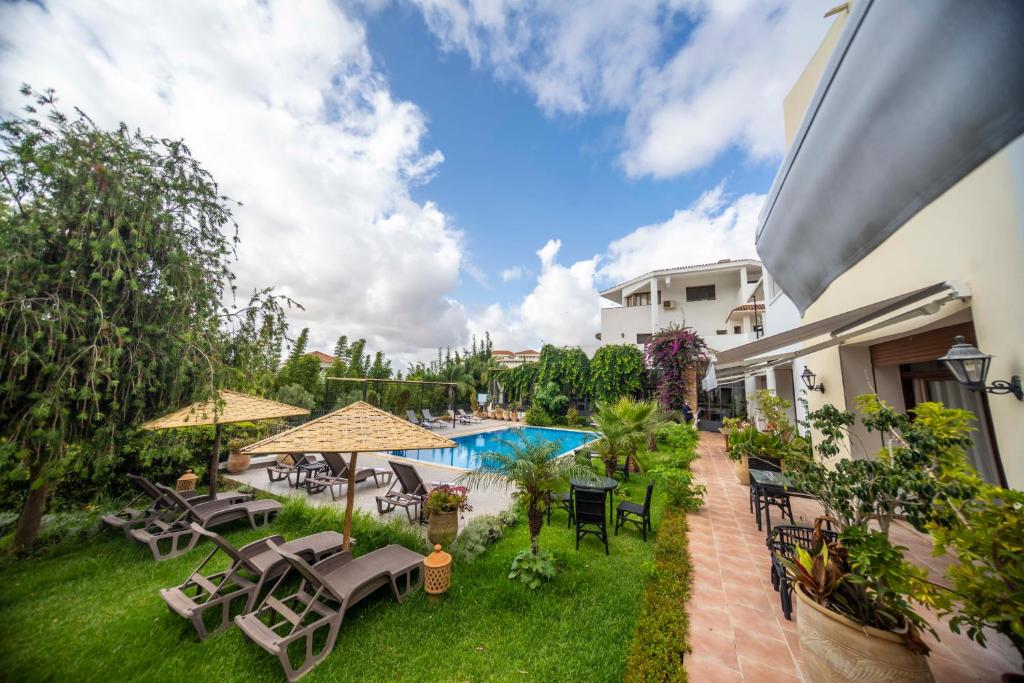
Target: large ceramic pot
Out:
[742,469]
[835,649]
[443,527]
[238,462]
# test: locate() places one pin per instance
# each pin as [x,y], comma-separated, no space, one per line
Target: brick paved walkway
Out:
[737,629]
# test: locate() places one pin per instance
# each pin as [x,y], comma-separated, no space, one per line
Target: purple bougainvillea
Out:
[672,352]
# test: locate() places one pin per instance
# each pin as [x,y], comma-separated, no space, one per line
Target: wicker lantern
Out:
[437,574]
[187,481]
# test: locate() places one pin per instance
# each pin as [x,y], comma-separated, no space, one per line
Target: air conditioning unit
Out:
[669,305]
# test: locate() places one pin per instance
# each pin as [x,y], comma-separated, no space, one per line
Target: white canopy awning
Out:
[736,364]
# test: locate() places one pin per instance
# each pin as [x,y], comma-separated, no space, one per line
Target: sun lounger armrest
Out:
[331,563]
[259,546]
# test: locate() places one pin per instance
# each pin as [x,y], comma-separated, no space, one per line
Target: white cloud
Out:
[511,274]
[282,103]
[684,106]
[563,308]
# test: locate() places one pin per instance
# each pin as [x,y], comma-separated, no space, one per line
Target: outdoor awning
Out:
[915,96]
[735,364]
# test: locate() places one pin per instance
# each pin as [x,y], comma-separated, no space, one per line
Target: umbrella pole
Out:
[214,461]
[350,500]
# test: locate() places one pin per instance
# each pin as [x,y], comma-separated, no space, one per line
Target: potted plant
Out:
[238,462]
[855,598]
[986,534]
[443,506]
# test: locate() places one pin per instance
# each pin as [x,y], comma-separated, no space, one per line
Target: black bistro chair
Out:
[589,515]
[782,542]
[561,501]
[634,513]
[623,468]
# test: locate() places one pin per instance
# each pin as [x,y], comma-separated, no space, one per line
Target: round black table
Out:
[605,484]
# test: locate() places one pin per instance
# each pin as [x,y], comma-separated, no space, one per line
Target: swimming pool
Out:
[471,448]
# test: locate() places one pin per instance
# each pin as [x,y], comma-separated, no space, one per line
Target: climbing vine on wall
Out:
[674,351]
[569,368]
[616,370]
[517,382]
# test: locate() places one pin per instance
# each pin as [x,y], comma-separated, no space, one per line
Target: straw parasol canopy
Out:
[357,428]
[228,407]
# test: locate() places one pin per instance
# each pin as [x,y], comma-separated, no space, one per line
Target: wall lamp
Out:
[970,367]
[808,377]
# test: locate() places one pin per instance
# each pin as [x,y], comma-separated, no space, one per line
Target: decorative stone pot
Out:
[443,527]
[238,462]
[742,469]
[835,649]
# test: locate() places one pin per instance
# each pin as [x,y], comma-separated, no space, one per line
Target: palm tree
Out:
[534,471]
[624,426]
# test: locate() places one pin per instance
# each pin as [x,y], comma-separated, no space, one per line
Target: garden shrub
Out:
[680,491]
[533,569]
[478,535]
[538,417]
[662,629]
[549,398]
[56,527]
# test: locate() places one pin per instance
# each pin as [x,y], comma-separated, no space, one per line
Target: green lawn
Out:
[89,611]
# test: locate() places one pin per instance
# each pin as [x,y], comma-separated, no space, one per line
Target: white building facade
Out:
[712,298]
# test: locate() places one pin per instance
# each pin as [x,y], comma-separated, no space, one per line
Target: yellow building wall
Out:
[974,233]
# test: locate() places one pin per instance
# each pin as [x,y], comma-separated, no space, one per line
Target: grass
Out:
[89,610]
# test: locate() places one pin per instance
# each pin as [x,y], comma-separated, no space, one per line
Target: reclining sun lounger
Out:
[169,537]
[328,589]
[430,418]
[132,515]
[416,421]
[410,494]
[211,601]
[339,475]
[284,469]
[466,417]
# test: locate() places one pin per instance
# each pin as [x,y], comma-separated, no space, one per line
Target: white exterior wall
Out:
[621,324]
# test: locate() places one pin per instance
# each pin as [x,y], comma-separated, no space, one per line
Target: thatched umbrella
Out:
[357,428]
[228,407]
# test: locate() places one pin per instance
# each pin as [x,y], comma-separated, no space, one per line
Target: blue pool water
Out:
[470,449]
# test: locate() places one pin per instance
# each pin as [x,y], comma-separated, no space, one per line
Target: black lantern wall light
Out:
[808,377]
[970,367]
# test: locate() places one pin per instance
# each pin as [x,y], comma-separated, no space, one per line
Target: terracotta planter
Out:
[742,470]
[238,462]
[835,649]
[443,527]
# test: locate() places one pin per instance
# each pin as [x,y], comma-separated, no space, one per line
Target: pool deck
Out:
[486,501]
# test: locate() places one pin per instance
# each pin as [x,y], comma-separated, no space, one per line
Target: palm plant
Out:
[533,470]
[624,426]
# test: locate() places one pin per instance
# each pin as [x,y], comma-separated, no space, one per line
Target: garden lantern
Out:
[186,482]
[437,572]
[808,378]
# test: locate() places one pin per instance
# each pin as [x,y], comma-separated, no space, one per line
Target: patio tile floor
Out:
[737,630]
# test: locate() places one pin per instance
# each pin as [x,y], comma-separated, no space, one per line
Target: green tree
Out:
[616,370]
[532,469]
[358,364]
[114,267]
[624,425]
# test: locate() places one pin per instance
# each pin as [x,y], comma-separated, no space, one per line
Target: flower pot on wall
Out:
[443,527]
[742,469]
[836,649]
[238,462]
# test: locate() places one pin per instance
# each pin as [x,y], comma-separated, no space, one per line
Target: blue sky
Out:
[514,177]
[395,157]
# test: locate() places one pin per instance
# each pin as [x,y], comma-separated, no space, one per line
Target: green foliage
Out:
[538,417]
[625,426]
[923,461]
[447,498]
[532,569]
[773,409]
[675,352]
[616,370]
[986,535]
[550,399]
[299,518]
[294,395]
[115,266]
[518,382]
[568,368]
[480,534]
[661,638]
[573,419]
[302,370]
[680,491]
